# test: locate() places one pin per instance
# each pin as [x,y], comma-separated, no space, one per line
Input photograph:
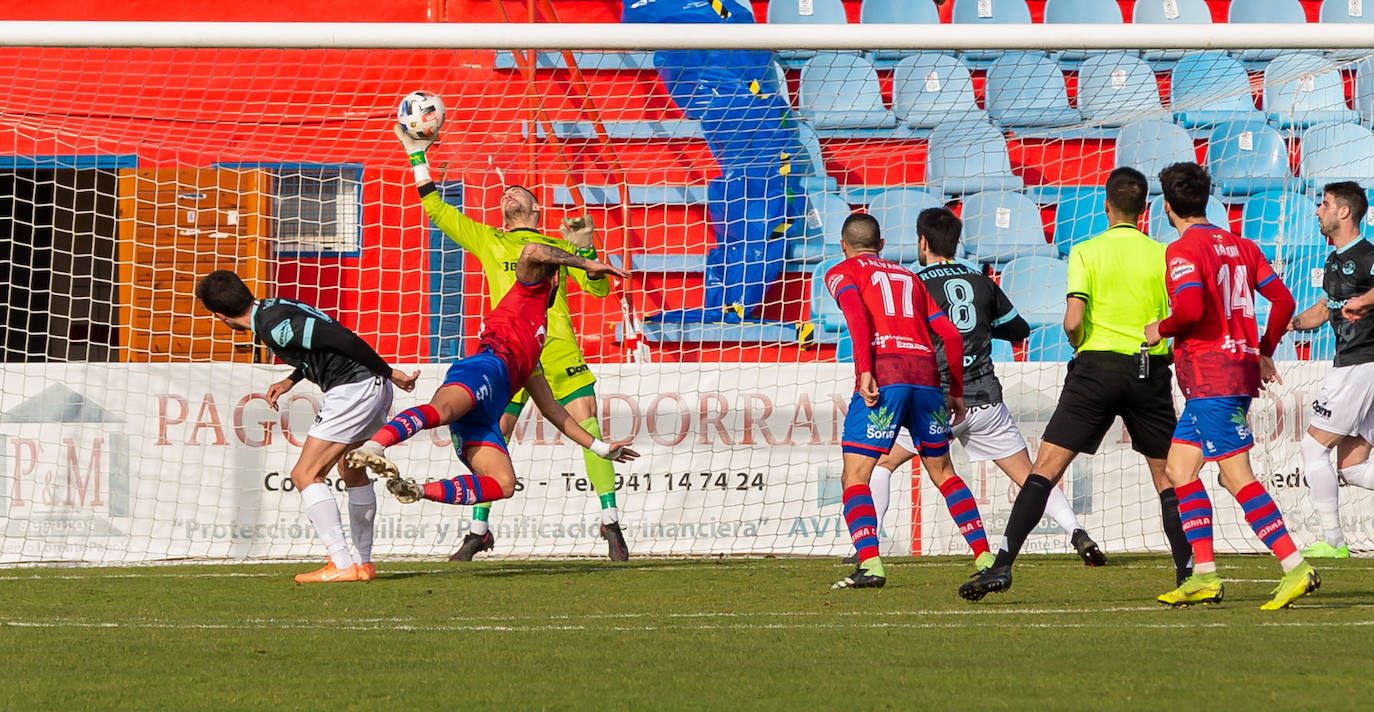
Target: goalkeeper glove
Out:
[578,232]
[415,149]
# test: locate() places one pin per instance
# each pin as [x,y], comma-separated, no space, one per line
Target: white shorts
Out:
[1345,403]
[353,411]
[987,433]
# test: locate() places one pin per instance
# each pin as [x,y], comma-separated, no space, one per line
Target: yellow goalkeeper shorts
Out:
[567,372]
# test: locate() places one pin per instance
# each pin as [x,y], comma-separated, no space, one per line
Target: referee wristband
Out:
[600,448]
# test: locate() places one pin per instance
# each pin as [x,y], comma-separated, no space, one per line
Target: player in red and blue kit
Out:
[1222,363]
[477,389]
[897,385]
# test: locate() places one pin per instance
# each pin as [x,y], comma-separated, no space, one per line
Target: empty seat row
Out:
[1026,90]
[1064,11]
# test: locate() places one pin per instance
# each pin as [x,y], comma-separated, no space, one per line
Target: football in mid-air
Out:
[421,115]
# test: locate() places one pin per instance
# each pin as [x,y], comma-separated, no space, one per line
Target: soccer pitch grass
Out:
[678,634]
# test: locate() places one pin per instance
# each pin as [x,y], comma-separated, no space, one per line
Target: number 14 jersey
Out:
[1217,355]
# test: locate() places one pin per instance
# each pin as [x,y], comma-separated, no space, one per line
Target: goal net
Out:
[135,427]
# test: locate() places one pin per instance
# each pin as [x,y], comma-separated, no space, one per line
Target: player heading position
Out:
[1343,411]
[477,389]
[1213,275]
[357,395]
[569,378]
[1115,287]
[897,385]
[981,311]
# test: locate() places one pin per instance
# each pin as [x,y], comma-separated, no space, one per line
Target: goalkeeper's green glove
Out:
[578,232]
[415,149]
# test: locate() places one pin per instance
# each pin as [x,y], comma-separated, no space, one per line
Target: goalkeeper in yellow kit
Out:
[572,382]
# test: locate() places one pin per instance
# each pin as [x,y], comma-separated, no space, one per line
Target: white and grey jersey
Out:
[321,349]
[1350,272]
[981,311]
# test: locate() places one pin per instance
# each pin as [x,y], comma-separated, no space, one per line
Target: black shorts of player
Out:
[1100,386]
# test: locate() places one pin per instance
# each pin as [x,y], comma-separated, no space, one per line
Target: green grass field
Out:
[678,634]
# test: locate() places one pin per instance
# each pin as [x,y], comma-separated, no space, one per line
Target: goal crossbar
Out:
[615,36]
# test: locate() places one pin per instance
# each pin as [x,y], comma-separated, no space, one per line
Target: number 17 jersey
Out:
[1219,354]
[899,309]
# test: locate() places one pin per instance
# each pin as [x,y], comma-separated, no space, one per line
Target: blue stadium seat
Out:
[931,88]
[1342,11]
[1148,146]
[1336,152]
[1247,157]
[1048,343]
[1267,11]
[968,157]
[1036,285]
[809,166]
[1116,88]
[1182,12]
[1000,226]
[1027,89]
[825,313]
[1160,229]
[912,12]
[825,215]
[896,210]
[1078,216]
[789,12]
[989,12]
[1364,91]
[1305,89]
[1208,87]
[841,91]
[1303,277]
[1092,12]
[1282,222]
[1002,351]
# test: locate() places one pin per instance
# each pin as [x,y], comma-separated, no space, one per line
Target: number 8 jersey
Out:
[1212,276]
[898,309]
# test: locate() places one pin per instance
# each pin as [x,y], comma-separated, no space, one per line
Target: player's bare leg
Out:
[1299,578]
[1204,585]
[448,405]
[308,475]
[862,520]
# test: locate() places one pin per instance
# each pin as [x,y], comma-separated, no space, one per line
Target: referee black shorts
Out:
[1100,386]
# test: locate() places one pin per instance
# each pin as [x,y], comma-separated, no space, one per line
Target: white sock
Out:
[318,504]
[609,515]
[880,487]
[362,510]
[1322,489]
[1059,509]
[479,527]
[1361,475]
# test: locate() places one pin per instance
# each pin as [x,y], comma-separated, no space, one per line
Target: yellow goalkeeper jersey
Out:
[499,251]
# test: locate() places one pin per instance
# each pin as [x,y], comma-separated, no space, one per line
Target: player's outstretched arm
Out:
[1310,318]
[536,262]
[468,233]
[538,388]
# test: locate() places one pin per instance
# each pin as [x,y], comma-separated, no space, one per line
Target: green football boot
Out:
[1198,588]
[1295,584]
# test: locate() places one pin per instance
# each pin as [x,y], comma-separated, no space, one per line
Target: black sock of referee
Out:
[1025,514]
[1173,530]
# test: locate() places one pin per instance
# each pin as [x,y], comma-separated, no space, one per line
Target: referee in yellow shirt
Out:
[1115,287]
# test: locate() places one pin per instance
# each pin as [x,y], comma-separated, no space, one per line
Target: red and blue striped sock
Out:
[862,520]
[464,489]
[407,423]
[1195,509]
[1265,519]
[964,509]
